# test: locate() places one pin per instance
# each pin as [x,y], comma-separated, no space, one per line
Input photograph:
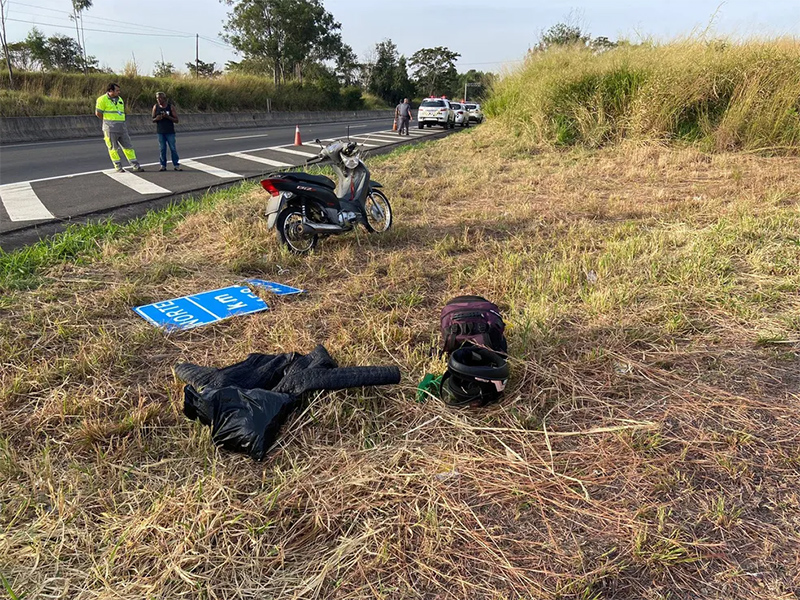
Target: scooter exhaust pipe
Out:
[310,228]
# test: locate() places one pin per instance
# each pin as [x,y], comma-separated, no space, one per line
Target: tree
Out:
[435,70]
[287,35]
[602,43]
[56,53]
[203,69]
[403,86]
[64,54]
[21,57]
[78,6]
[4,41]
[346,66]
[562,34]
[37,45]
[164,69]
[382,71]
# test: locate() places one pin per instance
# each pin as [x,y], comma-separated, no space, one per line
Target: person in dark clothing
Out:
[165,116]
[403,115]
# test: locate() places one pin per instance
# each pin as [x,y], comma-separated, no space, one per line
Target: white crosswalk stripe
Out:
[354,138]
[22,203]
[306,153]
[366,141]
[386,139]
[259,159]
[137,184]
[215,171]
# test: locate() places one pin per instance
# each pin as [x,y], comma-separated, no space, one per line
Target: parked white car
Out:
[461,114]
[475,112]
[435,111]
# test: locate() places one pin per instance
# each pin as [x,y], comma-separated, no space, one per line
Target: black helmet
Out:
[475,376]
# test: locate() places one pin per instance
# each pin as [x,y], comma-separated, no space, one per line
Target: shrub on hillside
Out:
[723,95]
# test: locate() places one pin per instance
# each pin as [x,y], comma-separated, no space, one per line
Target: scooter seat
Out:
[315,179]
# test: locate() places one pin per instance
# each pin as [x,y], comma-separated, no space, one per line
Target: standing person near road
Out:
[403,115]
[110,109]
[165,116]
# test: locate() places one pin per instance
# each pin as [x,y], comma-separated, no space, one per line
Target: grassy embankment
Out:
[647,446]
[49,94]
[718,95]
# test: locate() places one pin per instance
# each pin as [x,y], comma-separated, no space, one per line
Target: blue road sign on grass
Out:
[276,288]
[200,309]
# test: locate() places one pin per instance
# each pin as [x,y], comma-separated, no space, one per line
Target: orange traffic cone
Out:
[394,125]
[297,140]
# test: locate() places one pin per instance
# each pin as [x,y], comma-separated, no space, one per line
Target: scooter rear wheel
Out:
[379,212]
[290,232]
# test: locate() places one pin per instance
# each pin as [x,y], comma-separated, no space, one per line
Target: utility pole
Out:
[197,56]
[4,39]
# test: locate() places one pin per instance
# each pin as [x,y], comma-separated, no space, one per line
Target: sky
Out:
[490,35]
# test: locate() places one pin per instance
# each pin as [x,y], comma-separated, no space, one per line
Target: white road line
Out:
[367,144]
[306,153]
[137,184]
[354,138]
[22,203]
[241,137]
[384,138]
[373,136]
[258,159]
[216,172]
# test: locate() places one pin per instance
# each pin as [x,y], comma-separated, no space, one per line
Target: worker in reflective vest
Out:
[111,110]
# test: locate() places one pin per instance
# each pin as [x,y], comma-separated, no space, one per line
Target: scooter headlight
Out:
[351,162]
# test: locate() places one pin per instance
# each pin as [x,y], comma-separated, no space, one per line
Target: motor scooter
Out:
[305,208]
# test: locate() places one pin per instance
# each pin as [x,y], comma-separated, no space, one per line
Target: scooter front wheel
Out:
[290,232]
[379,212]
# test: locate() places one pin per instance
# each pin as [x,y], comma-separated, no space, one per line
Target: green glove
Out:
[431,385]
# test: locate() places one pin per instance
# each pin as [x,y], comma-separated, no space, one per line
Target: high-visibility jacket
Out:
[112,112]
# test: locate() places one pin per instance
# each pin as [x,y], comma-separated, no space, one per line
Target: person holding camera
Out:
[165,116]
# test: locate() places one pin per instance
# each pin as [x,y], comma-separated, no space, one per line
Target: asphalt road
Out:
[46,185]
[38,160]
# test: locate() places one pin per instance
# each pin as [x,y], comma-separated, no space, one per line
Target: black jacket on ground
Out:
[247,403]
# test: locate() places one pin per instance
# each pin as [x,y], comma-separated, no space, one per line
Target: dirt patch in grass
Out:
[647,446]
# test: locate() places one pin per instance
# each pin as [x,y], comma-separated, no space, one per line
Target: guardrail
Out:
[39,129]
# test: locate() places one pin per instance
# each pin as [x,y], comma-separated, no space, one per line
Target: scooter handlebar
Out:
[314,159]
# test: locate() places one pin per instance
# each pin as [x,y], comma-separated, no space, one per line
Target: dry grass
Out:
[648,447]
[722,94]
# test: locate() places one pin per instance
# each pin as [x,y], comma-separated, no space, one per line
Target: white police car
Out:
[436,111]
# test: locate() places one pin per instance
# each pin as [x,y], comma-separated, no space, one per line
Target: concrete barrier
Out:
[38,129]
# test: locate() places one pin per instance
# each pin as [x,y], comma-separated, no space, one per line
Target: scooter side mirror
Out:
[316,141]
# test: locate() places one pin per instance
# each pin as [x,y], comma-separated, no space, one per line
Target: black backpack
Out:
[472,320]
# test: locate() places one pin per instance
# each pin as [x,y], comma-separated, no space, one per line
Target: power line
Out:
[103,30]
[95,18]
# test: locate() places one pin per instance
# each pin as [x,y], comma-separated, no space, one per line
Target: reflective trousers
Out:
[116,141]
